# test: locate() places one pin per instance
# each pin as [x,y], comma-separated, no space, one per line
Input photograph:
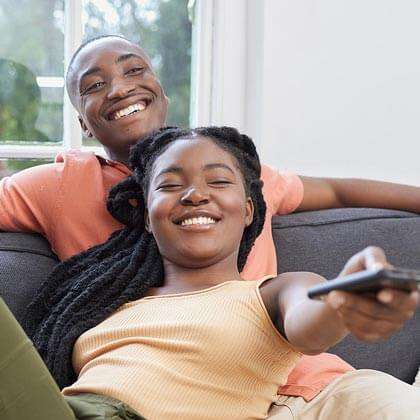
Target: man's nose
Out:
[195,196]
[120,88]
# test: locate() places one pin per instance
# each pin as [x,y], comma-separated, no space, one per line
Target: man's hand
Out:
[372,318]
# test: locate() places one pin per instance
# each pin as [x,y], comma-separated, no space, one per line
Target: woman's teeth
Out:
[198,221]
[129,110]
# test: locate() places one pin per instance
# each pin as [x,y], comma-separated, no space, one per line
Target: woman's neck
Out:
[182,279]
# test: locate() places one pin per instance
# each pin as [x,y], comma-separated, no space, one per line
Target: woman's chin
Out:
[201,258]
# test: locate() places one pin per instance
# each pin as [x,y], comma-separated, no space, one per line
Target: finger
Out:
[375,258]
[371,257]
[348,303]
[398,300]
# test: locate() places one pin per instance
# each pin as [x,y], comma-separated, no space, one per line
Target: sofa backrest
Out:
[313,241]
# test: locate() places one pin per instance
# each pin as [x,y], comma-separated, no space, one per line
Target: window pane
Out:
[31,71]
[11,166]
[163,30]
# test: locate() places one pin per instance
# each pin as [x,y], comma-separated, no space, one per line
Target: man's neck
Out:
[117,156]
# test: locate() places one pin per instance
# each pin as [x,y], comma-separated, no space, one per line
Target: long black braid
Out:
[84,290]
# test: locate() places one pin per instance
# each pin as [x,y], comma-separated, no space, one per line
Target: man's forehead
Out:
[105,49]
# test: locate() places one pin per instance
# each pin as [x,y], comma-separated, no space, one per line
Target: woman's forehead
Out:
[197,151]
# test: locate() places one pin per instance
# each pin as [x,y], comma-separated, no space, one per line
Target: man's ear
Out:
[147,222]
[84,127]
[249,211]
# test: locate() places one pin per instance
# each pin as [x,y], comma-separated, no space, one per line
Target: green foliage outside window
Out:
[32,45]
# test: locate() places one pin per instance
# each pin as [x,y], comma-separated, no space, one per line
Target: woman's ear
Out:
[249,211]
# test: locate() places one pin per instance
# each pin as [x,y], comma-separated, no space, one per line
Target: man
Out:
[119,99]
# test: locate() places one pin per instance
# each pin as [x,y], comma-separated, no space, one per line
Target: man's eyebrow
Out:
[90,71]
[125,57]
[120,59]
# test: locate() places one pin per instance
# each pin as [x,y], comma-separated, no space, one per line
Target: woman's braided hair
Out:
[87,288]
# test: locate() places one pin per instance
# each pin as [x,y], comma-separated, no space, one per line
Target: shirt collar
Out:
[118,165]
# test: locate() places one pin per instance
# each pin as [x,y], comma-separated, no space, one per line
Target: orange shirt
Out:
[65,202]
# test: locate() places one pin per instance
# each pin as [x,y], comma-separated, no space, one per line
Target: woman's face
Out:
[197,206]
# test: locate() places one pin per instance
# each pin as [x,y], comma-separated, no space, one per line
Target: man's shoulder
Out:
[80,157]
[272,176]
[283,190]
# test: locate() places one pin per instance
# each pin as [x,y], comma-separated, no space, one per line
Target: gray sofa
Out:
[313,241]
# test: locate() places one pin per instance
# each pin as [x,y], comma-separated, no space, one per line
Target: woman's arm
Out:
[326,193]
[310,326]
[313,326]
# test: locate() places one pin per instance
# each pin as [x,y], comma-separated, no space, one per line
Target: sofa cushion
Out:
[25,262]
[323,241]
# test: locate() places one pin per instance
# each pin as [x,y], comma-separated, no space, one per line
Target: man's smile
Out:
[141,106]
[124,108]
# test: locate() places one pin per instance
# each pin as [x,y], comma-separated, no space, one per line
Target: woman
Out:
[157,320]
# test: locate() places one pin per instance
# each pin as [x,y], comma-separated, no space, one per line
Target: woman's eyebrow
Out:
[218,165]
[178,169]
[170,169]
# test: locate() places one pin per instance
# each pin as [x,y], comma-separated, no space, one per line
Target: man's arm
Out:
[27,199]
[327,193]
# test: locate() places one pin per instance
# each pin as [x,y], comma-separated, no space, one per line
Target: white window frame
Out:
[223,75]
[72,133]
[226,67]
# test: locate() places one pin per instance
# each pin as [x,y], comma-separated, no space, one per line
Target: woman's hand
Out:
[369,318]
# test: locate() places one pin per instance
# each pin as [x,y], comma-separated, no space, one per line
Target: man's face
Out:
[117,94]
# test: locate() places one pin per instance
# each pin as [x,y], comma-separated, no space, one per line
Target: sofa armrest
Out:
[26,260]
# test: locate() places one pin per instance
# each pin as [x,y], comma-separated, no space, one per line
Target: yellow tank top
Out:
[209,354]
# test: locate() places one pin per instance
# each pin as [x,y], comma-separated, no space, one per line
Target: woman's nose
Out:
[120,88]
[195,196]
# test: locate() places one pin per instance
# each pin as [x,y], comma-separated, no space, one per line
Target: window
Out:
[36,119]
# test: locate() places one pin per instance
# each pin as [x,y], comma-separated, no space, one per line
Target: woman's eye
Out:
[220,182]
[168,186]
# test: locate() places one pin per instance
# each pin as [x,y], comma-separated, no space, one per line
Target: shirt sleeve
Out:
[28,199]
[283,191]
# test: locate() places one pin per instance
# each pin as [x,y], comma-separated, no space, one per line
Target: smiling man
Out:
[119,99]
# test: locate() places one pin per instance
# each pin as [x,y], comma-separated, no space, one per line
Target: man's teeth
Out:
[129,110]
[198,221]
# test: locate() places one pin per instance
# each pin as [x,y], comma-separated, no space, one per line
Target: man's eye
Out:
[135,70]
[94,86]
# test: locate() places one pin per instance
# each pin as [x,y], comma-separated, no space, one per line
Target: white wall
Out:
[338,86]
